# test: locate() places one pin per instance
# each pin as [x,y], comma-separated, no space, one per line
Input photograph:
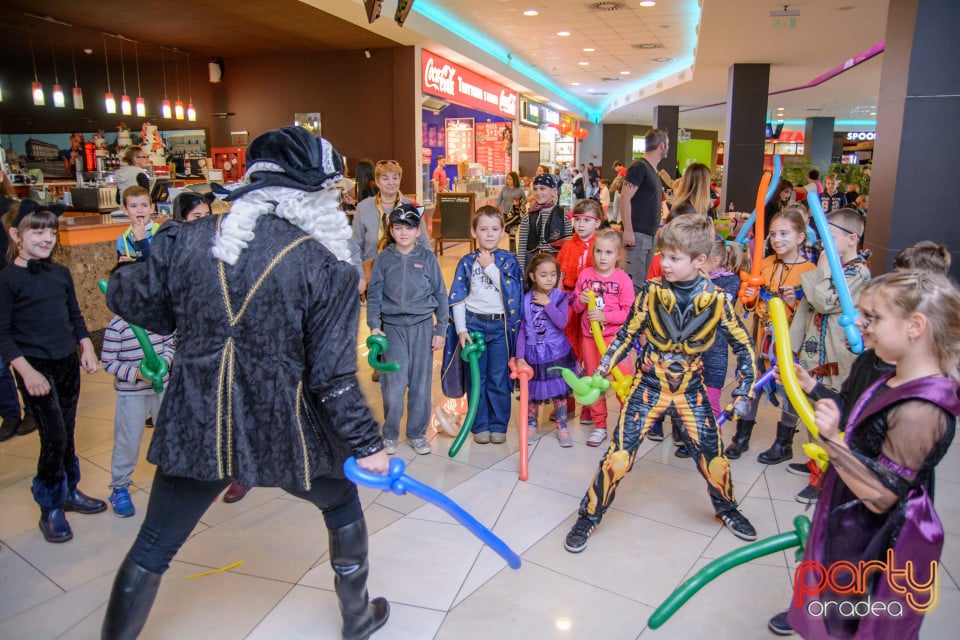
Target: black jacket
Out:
[263,386]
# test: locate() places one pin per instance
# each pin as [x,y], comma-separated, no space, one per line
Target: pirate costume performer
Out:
[275,288]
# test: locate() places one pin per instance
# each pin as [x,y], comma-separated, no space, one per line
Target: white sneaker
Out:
[597,437]
[531,435]
[389,446]
[420,445]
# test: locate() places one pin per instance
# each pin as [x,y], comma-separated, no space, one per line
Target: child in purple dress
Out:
[543,345]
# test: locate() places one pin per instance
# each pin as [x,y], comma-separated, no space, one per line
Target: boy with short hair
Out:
[133,245]
[815,332]
[121,357]
[406,291]
[832,199]
[678,319]
[486,296]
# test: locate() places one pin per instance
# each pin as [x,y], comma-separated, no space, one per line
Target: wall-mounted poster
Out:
[494,146]
[460,140]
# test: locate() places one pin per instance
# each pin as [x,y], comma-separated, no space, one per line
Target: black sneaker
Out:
[682,451]
[148,423]
[798,468]
[779,626]
[738,525]
[655,433]
[808,495]
[577,538]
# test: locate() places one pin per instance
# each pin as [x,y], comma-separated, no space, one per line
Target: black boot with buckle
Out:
[348,557]
[782,448]
[134,590]
[741,439]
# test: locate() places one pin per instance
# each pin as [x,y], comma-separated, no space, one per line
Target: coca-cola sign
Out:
[450,81]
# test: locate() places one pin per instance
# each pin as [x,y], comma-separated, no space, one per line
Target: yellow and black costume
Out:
[679,322]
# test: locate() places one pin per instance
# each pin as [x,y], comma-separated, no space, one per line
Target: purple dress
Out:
[843,529]
[543,345]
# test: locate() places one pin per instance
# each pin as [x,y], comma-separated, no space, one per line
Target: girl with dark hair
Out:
[189,206]
[40,327]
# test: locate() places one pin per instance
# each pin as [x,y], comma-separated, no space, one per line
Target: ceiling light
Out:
[590,90]
[574,84]
[583,63]
[873,113]
[648,3]
[563,33]
[624,73]
[588,49]
[531,12]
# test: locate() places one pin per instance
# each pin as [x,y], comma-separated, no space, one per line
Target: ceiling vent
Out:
[434,104]
[611,79]
[646,45]
[662,59]
[604,7]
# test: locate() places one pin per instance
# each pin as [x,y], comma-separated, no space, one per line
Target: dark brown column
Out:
[668,119]
[747,90]
[917,134]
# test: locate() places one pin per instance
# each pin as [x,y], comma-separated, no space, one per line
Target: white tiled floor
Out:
[442,583]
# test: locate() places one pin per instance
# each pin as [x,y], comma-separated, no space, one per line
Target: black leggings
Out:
[56,416]
[177,504]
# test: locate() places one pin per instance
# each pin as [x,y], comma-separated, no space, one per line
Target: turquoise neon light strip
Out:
[440,16]
[836,123]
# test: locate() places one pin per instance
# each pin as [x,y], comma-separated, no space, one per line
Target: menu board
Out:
[494,140]
[460,141]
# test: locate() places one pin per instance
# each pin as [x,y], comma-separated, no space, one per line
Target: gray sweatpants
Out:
[128,418]
[411,347]
[638,260]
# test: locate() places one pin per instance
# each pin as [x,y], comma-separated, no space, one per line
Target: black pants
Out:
[56,416]
[177,504]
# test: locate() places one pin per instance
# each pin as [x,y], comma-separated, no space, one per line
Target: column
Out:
[747,89]
[668,119]
[818,142]
[917,135]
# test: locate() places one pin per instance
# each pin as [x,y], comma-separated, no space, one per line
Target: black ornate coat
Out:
[263,386]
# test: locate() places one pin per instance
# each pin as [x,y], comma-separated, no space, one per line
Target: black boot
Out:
[741,439]
[348,557]
[54,525]
[53,522]
[134,590]
[782,448]
[82,503]
[9,427]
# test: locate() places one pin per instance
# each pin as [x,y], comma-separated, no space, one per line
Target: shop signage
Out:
[861,135]
[444,79]
[530,113]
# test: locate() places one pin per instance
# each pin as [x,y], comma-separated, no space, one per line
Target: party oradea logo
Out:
[850,582]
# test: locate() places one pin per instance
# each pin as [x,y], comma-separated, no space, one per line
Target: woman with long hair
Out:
[693,195]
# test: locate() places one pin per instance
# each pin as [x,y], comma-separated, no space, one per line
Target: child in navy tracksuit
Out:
[486,296]
[406,292]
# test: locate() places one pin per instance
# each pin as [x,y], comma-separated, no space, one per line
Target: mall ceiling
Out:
[676,52]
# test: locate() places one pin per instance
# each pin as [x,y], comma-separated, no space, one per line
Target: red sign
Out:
[444,79]
[493,146]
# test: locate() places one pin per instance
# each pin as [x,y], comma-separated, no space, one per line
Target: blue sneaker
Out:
[121,503]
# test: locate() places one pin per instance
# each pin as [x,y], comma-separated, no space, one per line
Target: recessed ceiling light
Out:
[574,84]
[583,63]
[588,49]
[590,90]
[873,113]
[563,33]
[648,3]
[624,73]
[531,12]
